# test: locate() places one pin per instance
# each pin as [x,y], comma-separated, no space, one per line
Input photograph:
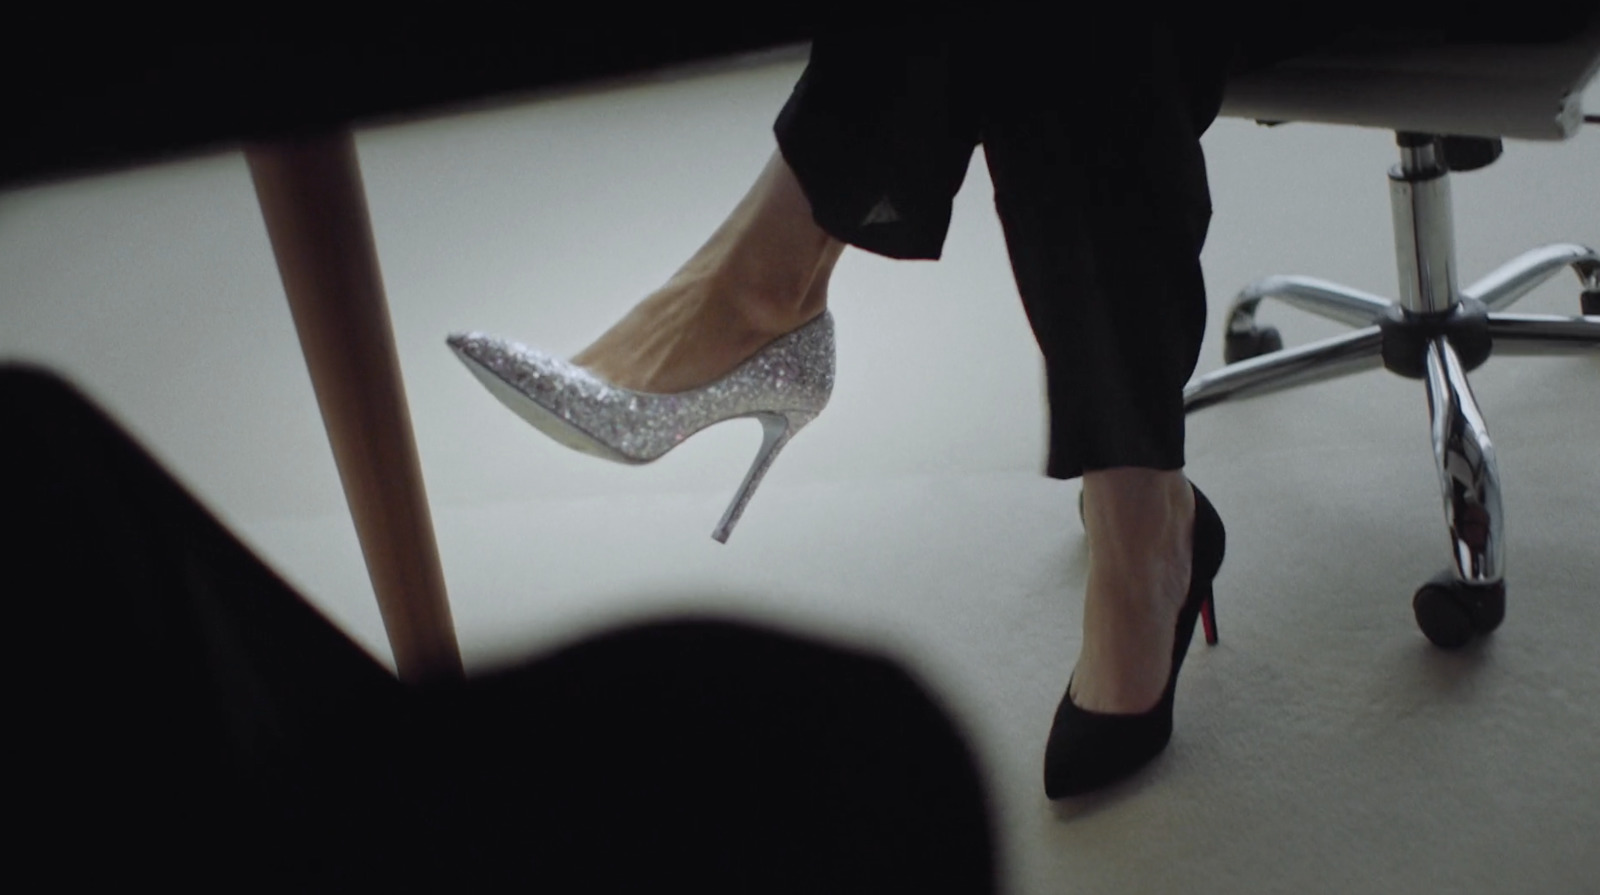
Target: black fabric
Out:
[1092,141]
[87,91]
[179,716]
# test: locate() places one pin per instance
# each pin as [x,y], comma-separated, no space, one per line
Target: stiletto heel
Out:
[776,430]
[1089,750]
[784,385]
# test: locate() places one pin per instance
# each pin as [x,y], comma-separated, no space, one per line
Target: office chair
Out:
[1450,104]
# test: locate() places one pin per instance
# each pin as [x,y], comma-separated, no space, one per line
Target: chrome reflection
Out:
[1522,274]
[1329,358]
[1320,297]
[1541,334]
[1424,240]
[1469,476]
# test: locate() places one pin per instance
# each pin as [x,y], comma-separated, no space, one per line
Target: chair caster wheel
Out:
[1590,300]
[1243,346]
[1450,613]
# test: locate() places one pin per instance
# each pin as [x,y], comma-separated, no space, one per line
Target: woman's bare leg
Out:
[1140,525]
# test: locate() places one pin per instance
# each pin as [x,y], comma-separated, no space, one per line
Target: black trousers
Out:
[1091,133]
[176,714]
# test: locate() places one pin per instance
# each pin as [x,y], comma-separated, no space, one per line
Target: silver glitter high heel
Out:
[784,385]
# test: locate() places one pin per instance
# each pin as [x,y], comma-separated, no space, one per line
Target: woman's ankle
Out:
[773,296]
[1139,522]
[771,259]
[1128,495]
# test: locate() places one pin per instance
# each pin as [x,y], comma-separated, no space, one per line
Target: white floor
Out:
[1322,747]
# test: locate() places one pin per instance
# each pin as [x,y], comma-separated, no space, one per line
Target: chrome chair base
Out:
[1436,333]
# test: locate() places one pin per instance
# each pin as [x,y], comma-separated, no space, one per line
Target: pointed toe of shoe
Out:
[1088,750]
[479,347]
[513,373]
[478,351]
[531,372]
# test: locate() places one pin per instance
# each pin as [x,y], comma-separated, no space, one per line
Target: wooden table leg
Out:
[316,214]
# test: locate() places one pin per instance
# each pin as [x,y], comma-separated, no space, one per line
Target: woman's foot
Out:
[1140,527]
[762,274]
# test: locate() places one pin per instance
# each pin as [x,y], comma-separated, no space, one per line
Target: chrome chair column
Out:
[1424,232]
[1469,477]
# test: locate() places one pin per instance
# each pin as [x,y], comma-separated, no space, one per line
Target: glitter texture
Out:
[784,385]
